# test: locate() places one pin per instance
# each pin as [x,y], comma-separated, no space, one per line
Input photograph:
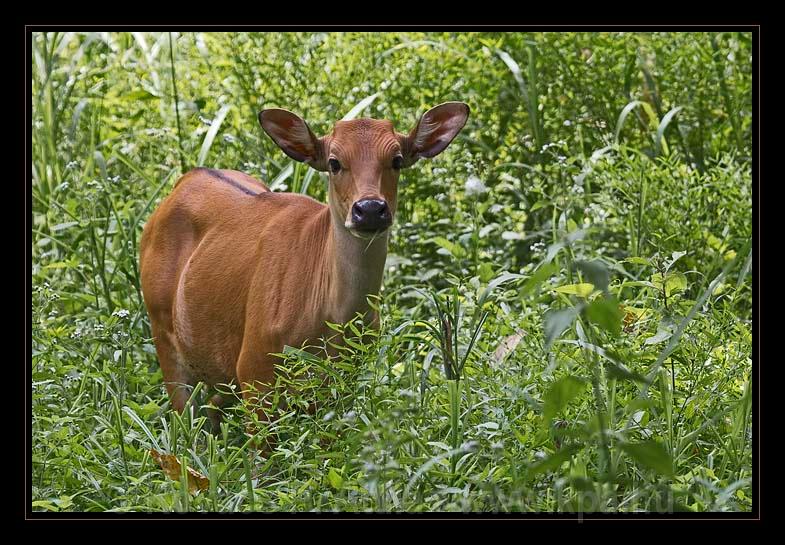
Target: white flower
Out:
[474,186]
[128,148]
[122,313]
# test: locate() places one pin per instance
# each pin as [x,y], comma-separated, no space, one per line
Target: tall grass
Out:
[567,305]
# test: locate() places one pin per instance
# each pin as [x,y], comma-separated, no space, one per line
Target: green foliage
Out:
[567,305]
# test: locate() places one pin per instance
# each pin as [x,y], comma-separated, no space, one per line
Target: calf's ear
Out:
[294,137]
[434,131]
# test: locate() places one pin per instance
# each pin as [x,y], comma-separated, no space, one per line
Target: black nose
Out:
[371,215]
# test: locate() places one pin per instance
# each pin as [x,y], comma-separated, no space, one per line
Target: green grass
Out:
[566,312]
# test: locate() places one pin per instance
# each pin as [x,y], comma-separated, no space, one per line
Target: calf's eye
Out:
[397,162]
[335,166]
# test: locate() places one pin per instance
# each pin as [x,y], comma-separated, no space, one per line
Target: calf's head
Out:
[364,158]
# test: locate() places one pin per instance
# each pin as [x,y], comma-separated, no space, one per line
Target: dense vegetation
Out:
[584,244]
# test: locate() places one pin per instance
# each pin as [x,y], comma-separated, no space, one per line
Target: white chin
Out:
[365,235]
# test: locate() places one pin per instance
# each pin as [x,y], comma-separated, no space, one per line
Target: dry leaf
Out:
[632,316]
[171,466]
[507,346]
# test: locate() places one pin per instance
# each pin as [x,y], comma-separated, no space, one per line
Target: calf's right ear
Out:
[294,137]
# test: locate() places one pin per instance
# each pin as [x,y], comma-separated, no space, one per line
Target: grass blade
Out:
[364,103]
[660,138]
[211,133]
[623,116]
[285,173]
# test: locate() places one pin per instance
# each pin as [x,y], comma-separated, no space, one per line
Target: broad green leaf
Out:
[301,354]
[58,265]
[637,260]
[674,282]
[45,504]
[605,313]
[556,321]
[621,373]
[583,289]
[485,271]
[140,94]
[595,272]
[553,249]
[543,271]
[559,394]
[66,225]
[715,243]
[639,283]
[650,454]
[554,461]
[335,479]
[664,332]
[454,249]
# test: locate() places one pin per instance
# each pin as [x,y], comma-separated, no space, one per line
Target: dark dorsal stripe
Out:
[218,174]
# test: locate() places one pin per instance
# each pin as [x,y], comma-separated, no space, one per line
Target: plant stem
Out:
[454,389]
[176,104]
[724,91]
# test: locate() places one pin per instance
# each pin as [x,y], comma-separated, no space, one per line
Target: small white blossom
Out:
[122,313]
[128,148]
[475,186]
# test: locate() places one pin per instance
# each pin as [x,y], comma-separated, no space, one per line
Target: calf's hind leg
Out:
[177,379]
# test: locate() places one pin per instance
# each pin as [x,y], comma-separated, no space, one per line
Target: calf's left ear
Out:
[434,131]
